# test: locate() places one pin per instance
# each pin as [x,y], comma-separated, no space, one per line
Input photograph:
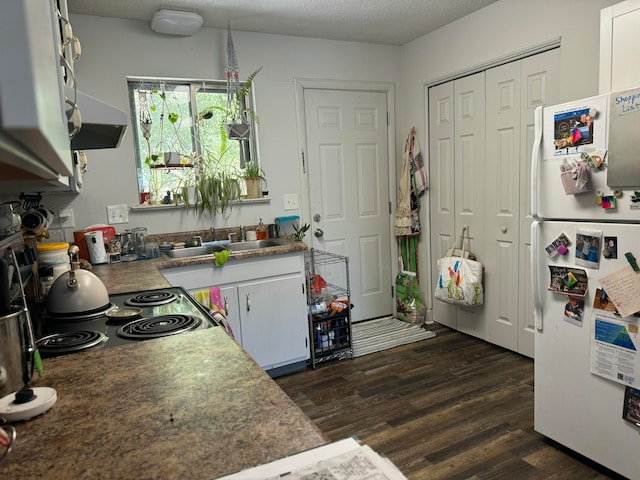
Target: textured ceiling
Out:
[392,22]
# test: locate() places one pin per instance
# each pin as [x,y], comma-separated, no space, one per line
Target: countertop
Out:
[145,274]
[189,406]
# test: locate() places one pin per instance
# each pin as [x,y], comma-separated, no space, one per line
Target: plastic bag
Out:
[410,305]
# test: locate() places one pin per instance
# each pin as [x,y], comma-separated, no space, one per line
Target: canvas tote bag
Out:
[460,275]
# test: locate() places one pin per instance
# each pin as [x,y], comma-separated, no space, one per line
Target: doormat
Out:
[383,333]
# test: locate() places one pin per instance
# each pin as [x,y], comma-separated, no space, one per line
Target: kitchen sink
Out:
[253,245]
[195,251]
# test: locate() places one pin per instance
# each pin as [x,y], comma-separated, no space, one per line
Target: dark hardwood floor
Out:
[451,407]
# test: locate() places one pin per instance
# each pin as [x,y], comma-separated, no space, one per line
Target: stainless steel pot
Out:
[76,292]
[16,350]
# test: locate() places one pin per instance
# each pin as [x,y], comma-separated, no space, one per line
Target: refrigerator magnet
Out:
[574,310]
[560,244]
[631,407]
[568,281]
[608,202]
[610,249]
[588,248]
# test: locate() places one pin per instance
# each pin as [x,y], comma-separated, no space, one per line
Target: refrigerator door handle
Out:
[537,306]
[535,159]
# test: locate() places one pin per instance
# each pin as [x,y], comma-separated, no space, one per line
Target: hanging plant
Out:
[238,115]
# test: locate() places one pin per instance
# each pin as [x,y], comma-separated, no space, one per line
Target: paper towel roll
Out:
[95,245]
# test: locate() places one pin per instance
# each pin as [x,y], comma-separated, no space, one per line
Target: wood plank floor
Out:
[451,407]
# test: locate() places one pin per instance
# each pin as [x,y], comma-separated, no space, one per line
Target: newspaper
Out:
[343,460]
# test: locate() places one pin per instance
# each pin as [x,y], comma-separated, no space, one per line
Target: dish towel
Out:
[211,300]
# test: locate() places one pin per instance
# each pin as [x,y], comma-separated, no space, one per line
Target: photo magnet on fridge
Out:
[610,249]
[588,248]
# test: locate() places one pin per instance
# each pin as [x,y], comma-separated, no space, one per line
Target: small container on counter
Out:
[261,231]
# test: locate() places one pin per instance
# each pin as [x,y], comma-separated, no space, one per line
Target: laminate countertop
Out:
[126,277]
[190,406]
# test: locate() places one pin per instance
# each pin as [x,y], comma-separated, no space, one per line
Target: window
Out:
[179,134]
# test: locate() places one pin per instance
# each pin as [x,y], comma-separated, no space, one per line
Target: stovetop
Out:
[132,317]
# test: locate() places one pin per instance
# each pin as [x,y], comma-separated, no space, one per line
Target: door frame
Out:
[388,88]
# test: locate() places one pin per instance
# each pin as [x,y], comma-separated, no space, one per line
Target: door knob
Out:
[504,229]
[318,233]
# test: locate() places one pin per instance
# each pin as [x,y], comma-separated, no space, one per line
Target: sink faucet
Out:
[242,233]
[232,234]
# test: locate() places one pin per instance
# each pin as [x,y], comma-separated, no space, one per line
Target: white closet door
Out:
[442,187]
[514,91]
[502,208]
[470,188]
[540,76]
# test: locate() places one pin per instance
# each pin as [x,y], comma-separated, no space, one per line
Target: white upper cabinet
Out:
[34,137]
[619,52]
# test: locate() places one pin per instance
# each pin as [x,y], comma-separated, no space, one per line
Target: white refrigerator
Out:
[586,219]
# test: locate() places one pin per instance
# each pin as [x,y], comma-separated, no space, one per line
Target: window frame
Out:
[248,148]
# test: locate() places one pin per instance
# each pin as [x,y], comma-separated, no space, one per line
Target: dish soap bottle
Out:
[261,231]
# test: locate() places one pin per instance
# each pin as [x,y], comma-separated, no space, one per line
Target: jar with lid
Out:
[261,231]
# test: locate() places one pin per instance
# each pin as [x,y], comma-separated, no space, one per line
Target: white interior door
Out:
[503,204]
[457,163]
[514,91]
[540,76]
[442,186]
[347,150]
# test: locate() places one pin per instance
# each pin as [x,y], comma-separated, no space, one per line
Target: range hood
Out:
[103,126]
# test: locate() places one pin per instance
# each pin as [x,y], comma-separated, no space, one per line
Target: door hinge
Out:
[388,118]
[303,166]
[390,208]
[392,292]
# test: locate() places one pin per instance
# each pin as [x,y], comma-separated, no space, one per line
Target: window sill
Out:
[171,206]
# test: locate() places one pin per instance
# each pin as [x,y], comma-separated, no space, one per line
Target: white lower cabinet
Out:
[266,306]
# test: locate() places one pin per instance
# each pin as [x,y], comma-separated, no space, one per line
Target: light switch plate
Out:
[117,214]
[291,201]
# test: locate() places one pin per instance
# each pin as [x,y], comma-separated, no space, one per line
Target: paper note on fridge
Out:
[623,289]
[624,142]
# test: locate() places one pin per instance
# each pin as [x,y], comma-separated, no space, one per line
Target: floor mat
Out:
[384,333]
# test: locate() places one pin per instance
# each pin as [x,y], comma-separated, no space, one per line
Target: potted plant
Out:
[300,231]
[253,176]
[214,188]
[238,114]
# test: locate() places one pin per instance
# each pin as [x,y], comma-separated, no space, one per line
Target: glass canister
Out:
[139,240]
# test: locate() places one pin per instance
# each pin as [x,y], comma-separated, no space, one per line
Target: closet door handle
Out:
[248,302]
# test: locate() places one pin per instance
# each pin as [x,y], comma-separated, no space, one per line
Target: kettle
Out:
[77,291]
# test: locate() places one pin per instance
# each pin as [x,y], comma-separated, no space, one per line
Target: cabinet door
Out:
[619,54]
[274,320]
[230,298]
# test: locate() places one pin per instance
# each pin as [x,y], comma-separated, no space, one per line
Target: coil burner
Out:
[70,342]
[151,299]
[159,326]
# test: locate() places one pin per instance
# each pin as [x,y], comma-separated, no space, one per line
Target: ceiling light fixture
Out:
[176,22]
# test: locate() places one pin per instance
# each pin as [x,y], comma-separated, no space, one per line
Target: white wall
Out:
[114,48]
[502,28]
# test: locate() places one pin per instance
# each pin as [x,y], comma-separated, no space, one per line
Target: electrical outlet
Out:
[291,201]
[117,214]
[65,216]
